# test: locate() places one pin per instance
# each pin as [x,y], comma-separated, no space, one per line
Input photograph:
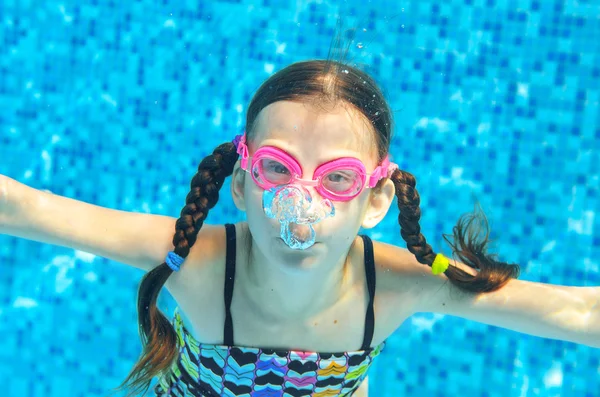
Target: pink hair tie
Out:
[391,168]
[236,140]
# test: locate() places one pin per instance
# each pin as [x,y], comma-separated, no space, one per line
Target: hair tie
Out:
[440,264]
[174,261]
[236,140]
[391,168]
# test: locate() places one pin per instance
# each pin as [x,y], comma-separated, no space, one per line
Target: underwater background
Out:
[116,103]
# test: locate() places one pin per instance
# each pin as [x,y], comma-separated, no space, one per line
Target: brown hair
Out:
[321,82]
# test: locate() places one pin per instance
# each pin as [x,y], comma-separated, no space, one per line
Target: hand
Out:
[5,188]
[3,193]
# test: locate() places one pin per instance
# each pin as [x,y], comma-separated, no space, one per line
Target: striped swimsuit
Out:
[209,370]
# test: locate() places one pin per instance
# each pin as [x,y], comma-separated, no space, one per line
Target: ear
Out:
[380,201]
[238,178]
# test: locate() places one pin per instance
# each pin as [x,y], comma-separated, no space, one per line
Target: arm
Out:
[136,239]
[544,310]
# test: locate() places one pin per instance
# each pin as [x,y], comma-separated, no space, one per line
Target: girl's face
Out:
[313,137]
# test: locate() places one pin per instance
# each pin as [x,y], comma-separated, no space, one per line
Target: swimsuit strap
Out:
[370,275]
[229,279]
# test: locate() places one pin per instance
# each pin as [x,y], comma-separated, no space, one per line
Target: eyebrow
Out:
[290,150]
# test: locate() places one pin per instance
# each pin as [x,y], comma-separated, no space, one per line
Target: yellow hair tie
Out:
[440,264]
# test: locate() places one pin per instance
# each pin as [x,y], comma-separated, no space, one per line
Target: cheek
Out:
[253,196]
[347,214]
[258,221]
[252,193]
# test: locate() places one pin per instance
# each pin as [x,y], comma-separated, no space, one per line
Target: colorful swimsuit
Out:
[208,370]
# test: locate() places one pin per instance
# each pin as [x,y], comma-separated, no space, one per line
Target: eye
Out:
[340,177]
[336,178]
[277,167]
[342,182]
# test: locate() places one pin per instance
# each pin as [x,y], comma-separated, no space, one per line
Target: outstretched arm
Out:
[136,239]
[545,310]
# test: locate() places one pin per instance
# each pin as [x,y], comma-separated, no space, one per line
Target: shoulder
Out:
[399,268]
[210,246]
[406,283]
[402,281]
[202,261]
[398,286]
[399,274]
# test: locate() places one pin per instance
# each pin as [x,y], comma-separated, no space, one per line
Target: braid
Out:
[491,275]
[410,213]
[203,196]
[159,340]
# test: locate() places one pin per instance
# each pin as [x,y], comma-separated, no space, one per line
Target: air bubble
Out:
[360,45]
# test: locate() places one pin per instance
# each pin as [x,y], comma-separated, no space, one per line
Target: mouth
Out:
[283,242]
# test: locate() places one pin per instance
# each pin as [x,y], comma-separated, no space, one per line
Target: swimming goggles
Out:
[340,179]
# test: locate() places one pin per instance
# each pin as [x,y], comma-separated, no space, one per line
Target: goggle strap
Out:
[385,170]
[242,149]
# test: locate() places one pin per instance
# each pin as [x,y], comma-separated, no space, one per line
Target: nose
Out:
[312,191]
[309,185]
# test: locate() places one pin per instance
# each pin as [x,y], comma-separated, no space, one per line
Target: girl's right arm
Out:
[136,239]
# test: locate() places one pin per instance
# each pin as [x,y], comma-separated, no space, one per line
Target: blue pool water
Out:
[116,103]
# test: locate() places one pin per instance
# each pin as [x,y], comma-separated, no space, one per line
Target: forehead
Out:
[312,128]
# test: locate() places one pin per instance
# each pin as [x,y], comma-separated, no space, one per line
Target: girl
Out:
[293,302]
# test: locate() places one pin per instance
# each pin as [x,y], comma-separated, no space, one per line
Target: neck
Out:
[300,290]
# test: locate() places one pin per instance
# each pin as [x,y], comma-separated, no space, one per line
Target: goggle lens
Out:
[340,182]
[271,171]
[345,183]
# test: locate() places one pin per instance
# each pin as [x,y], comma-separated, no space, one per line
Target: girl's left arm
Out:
[544,310]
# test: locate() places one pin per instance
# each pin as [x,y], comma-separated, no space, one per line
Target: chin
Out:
[299,266]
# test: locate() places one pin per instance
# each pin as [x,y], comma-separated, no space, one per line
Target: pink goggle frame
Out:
[348,165]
